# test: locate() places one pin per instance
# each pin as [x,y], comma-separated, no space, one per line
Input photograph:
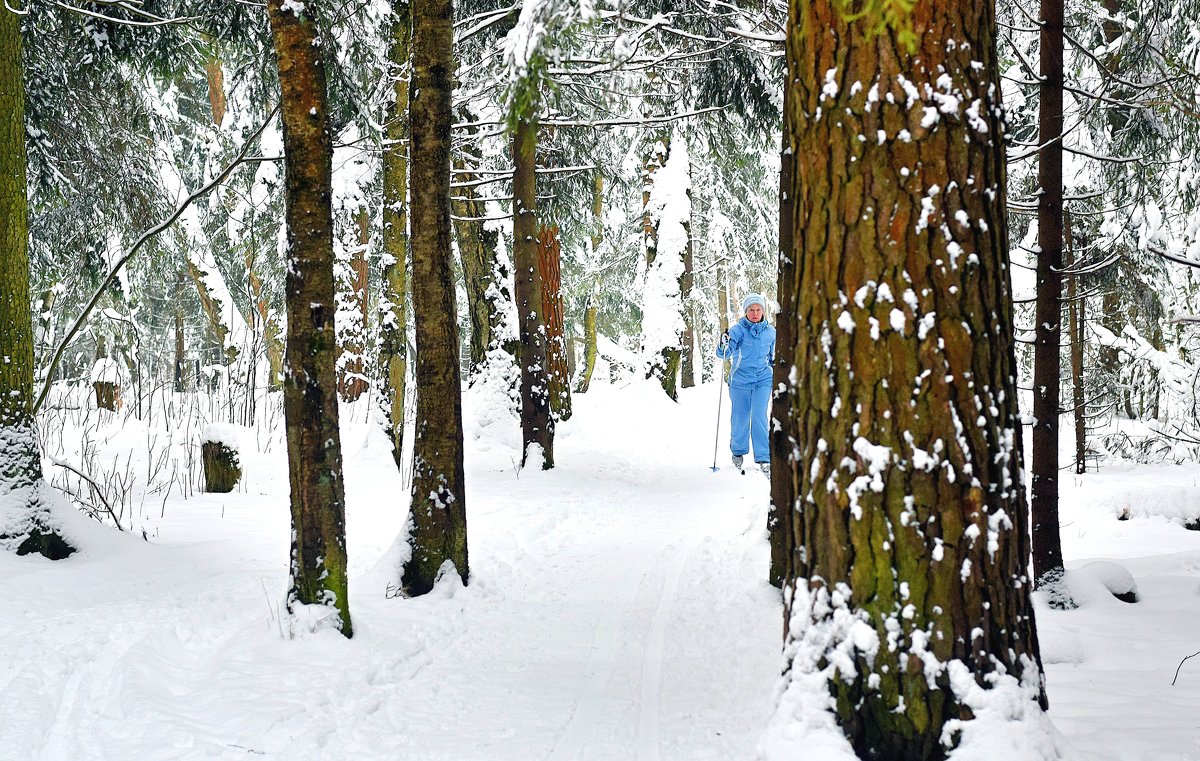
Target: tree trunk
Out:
[557,365]
[477,250]
[318,556]
[666,365]
[222,467]
[784,486]
[1075,311]
[393,327]
[688,366]
[270,327]
[904,413]
[25,522]
[353,380]
[537,424]
[1047,373]
[590,349]
[216,88]
[439,518]
[180,349]
[654,160]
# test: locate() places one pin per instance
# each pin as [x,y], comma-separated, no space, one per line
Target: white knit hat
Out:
[751,299]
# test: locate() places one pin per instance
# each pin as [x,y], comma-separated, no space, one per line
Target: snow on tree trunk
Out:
[537,422]
[393,323]
[106,382]
[26,525]
[318,556]
[438,537]
[669,209]
[1047,365]
[910,625]
[352,308]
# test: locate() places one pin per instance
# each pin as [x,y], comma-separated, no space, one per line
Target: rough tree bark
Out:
[393,347]
[910,517]
[783,444]
[1047,371]
[558,370]
[439,519]
[352,381]
[27,526]
[318,557]
[537,424]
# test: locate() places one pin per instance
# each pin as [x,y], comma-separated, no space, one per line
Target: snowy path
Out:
[617,610]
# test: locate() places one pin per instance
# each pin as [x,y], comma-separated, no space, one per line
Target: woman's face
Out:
[754,313]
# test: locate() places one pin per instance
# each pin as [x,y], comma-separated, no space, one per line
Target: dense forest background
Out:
[247,220]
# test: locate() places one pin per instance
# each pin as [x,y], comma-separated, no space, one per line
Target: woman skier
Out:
[749,345]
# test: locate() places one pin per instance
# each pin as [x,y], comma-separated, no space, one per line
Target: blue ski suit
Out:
[751,352]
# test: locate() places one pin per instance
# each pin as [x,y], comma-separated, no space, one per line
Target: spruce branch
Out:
[240,158]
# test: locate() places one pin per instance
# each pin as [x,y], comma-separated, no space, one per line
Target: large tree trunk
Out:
[783,444]
[558,367]
[910,513]
[25,522]
[439,518]
[537,424]
[1047,373]
[318,557]
[393,328]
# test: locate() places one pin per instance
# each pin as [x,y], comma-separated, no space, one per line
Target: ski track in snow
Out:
[617,610]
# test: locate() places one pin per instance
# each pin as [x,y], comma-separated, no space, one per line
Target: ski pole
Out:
[720,367]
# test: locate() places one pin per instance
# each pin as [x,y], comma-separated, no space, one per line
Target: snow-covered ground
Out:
[617,610]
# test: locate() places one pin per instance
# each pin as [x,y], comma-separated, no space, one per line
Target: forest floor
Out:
[617,611]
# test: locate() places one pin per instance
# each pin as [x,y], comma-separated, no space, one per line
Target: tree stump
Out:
[106,381]
[222,467]
[108,395]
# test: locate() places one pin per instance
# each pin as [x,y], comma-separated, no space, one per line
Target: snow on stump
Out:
[106,381]
[219,452]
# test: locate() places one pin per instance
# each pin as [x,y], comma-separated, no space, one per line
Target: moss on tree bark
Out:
[310,407]
[910,512]
[439,518]
[32,530]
